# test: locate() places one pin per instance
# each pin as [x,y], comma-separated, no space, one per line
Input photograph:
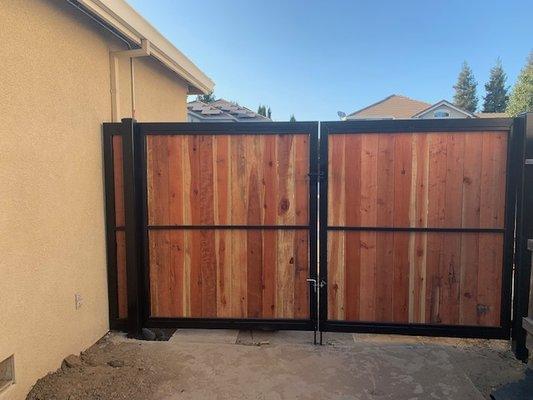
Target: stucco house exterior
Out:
[402,107]
[221,111]
[67,67]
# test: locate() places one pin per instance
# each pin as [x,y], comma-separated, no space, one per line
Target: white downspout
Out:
[144,51]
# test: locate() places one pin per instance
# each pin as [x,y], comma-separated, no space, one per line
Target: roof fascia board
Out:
[121,16]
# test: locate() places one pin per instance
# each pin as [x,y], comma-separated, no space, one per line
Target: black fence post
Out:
[523,128]
[132,207]
[111,244]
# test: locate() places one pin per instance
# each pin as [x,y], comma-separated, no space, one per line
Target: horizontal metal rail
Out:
[419,126]
[266,227]
[414,229]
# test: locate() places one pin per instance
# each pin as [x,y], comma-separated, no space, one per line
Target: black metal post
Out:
[132,206]
[523,126]
[109,182]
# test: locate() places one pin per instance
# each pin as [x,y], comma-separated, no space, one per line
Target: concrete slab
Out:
[199,364]
[266,338]
[309,372]
[220,336]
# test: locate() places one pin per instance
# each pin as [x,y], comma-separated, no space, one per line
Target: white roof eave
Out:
[122,17]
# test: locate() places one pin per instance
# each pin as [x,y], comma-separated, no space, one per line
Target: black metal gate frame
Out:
[421,126]
[137,228]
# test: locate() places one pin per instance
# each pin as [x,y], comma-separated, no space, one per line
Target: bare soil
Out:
[245,365]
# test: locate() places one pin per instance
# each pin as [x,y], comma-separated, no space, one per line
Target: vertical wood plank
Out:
[301,273]
[336,271]
[352,215]
[384,240]
[221,172]
[285,274]
[470,218]
[207,217]
[489,279]
[301,179]
[336,216]
[449,267]
[436,206]
[175,180]
[239,274]
[254,248]
[286,206]
[418,218]
[369,150]
[270,185]
[402,200]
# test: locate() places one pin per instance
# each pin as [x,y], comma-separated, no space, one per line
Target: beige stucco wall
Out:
[54,96]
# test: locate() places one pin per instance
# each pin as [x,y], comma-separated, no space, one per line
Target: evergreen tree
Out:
[521,99]
[264,111]
[292,118]
[465,90]
[496,96]
[206,98]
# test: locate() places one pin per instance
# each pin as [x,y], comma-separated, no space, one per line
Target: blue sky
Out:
[313,58]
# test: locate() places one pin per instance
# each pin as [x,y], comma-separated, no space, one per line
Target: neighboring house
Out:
[59,84]
[221,111]
[401,107]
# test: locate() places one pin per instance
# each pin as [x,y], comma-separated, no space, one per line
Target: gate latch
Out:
[316,284]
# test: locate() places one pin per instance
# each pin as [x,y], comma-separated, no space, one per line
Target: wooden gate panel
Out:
[381,183]
[207,198]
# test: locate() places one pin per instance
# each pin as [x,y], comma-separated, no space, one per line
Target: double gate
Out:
[222,225]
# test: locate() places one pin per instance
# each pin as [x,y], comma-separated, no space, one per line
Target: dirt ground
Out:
[197,364]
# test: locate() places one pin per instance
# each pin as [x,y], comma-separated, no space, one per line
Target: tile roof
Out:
[223,109]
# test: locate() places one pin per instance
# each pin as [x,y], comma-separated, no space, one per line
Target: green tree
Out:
[465,90]
[521,99]
[496,97]
[292,118]
[206,98]
[264,111]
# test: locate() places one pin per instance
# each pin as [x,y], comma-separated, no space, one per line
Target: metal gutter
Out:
[123,19]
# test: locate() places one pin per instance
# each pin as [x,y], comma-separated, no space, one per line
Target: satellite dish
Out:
[342,115]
